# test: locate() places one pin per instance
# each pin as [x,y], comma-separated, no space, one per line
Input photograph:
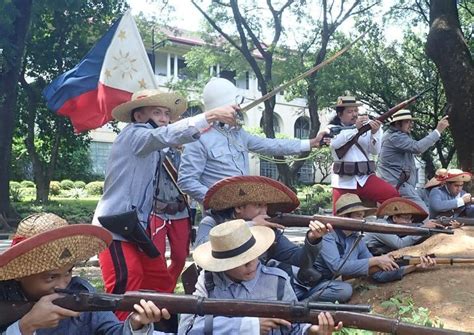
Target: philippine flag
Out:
[108,75]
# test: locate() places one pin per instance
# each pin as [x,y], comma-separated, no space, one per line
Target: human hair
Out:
[132,114]
[336,120]
[222,215]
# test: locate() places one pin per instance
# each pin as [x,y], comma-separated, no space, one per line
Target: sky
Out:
[186,16]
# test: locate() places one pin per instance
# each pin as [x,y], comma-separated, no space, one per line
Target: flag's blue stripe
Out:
[83,77]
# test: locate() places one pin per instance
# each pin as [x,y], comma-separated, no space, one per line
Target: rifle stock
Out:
[446,221]
[294,220]
[305,312]
[341,152]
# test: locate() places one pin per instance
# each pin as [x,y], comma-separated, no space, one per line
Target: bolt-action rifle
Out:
[413,260]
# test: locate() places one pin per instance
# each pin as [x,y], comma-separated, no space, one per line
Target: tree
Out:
[252,28]
[58,40]
[447,47]
[15,19]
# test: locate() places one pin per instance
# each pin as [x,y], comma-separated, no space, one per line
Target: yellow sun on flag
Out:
[124,64]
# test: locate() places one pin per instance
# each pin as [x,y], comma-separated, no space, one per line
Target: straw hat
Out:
[219,92]
[174,102]
[402,114]
[349,203]
[49,243]
[232,244]
[453,175]
[437,179]
[347,101]
[398,206]
[242,190]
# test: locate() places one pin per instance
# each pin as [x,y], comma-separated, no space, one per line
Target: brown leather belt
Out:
[169,207]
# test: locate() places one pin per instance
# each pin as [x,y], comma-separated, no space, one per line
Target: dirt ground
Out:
[447,291]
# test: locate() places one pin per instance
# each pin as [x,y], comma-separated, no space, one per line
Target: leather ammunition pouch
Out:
[128,226]
[362,168]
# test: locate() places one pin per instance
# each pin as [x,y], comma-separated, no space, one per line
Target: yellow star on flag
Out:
[142,83]
[107,73]
[122,35]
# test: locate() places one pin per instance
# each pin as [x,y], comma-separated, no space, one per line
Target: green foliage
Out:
[76,193]
[16,194]
[404,308]
[67,184]
[313,198]
[27,184]
[79,184]
[14,185]
[28,192]
[95,188]
[74,211]
[54,187]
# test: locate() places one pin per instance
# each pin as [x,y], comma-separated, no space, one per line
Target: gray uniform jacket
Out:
[397,154]
[442,201]
[131,169]
[224,152]
[263,287]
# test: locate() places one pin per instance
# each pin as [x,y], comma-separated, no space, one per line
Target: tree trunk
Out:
[12,59]
[447,48]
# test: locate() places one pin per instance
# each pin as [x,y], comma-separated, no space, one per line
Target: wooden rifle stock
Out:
[341,152]
[294,220]
[446,221]
[292,311]
[412,260]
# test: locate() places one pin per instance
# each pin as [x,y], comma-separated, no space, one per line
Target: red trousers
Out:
[375,189]
[178,232]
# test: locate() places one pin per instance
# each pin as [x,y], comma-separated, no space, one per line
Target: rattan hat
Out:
[242,190]
[437,179]
[349,203]
[398,206]
[453,175]
[49,243]
[152,97]
[232,244]
[346,101]
[402,114]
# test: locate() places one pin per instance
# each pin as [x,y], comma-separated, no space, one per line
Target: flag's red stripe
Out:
[93,109]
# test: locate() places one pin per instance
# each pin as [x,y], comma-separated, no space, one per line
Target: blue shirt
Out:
[441,200]
[223,152]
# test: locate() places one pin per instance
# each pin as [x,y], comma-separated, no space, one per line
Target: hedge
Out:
[67,184]
[95,188]
[27,184]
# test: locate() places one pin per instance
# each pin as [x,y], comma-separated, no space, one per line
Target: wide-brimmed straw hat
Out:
[242,190]
[151,97]
[349,203]
[232,244]
[346,101]
[45,242]
[399,206]
[454,175]
[402,114]
[437,179]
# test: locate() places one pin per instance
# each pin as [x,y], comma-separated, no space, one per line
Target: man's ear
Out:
[238,209]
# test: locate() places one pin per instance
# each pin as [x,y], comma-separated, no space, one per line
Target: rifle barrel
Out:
[293,220]
[412,260]
[446,221]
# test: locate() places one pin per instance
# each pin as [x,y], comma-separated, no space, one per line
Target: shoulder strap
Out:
[209,282]
[281,288]
[362,150]
[172,172]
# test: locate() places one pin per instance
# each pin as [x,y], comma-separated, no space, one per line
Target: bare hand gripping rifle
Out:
[341,152]
[294,220]
[305,312]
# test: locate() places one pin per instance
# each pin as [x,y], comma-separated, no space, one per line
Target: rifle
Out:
[306,312]
[412,260]
[340,152]
[333,131]
[446,220]
[293,220]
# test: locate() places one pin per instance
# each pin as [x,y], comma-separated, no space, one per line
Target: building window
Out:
[306,173]
[302,127]
[228,74]
[183,72]
[99,154]
[276,124]
[268,169]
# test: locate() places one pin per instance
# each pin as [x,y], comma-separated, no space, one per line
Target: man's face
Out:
[159,115]
[359,215]
[44,283]
[455,187]
[250,211]
[349,115]
[245,272]
[402,218]
[406,126]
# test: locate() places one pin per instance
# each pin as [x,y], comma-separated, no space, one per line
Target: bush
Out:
[28,192]
[67,184]
[14,185]
[76,193]
[27,184]
[16,193]
[79,184]
[318,188]
[95,188]
[54,187]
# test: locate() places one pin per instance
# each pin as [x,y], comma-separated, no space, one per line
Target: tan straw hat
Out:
[49,243]
[152,97]
[242,190]
[232,244]
[398,206]
[349,203]
[402,114]
[437,179]
[346,101]
[453,175]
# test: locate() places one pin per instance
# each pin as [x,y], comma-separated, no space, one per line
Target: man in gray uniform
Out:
[396,162]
